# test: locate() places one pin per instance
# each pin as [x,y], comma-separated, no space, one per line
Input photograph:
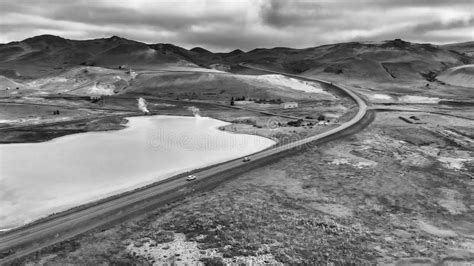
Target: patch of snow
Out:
[331,115]
[453,163]
[43,81]
[190,68]
[242,102]
[149,53]
[100,90]
[470,66]
[418,99]
[292,83]
[379,96]
[34,99]
[402,99]
[364,164]
[40,93]
[21,120]
[431,229]
[163,104]
[340,161]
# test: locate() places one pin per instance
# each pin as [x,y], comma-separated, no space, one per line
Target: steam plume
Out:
[142,105]
[195,110]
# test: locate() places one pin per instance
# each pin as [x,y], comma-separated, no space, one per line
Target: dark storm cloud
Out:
[246,24]
[423,20]
[283,13]
[437,25]
[287,13]
[132,17]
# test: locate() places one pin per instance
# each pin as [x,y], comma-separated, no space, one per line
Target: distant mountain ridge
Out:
[388,60]
[466,48]
[394,60]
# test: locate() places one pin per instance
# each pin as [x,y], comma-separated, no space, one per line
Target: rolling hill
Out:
[466,48]
[388,61]
[46,54]
[458,76]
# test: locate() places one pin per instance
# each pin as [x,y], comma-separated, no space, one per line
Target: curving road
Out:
[30,238]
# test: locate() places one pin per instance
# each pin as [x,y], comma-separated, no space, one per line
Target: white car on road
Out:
[191,178]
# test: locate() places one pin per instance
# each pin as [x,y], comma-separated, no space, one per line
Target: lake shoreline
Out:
[164,174]
[39,133]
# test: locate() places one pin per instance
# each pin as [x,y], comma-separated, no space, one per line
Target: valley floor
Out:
[401,190]
[32,119]
[396,191]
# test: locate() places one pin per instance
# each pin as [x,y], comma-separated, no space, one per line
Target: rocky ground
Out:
[395,192]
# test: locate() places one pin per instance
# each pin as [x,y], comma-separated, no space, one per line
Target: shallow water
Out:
[37,179]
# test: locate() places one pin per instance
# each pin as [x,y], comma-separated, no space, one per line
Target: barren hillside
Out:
[394,60]
[458,76]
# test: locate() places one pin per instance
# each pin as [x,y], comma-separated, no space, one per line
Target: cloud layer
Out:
[223,25]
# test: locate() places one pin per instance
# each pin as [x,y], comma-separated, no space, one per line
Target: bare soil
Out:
[383,195]
[32,119]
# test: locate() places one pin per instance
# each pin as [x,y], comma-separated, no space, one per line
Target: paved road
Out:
[30,238]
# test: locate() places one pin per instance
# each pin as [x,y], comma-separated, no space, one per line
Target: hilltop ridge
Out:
[391,60]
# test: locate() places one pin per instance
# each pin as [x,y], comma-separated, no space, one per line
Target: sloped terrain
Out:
[396,68]
[8,84]
[47,54]
[388,61]
[458,76]
[79,80]
[223,86]
[466,48]
[394,60]
[383,196]
[395,191]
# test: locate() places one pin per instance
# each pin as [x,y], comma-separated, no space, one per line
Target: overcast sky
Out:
[222,25]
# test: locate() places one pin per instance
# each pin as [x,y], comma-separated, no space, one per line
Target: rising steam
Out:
[196,111]
[142,105]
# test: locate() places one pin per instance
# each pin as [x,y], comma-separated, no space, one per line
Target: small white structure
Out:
[132,73]
[289,105]
[95,97]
